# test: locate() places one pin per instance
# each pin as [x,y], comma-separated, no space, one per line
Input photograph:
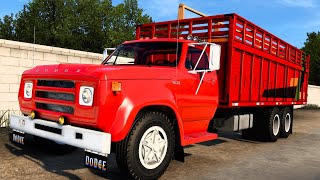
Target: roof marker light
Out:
[189,37]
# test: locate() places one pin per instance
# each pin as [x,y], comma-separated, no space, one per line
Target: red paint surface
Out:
[249,69]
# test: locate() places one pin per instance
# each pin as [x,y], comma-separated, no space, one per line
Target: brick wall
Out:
[16,57]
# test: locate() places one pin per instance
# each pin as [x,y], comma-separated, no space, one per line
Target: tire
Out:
[266,126]
[137,157]
[286,122]
[273,120]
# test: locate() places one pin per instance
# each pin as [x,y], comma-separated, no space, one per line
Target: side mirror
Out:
[105,52]
[214,57]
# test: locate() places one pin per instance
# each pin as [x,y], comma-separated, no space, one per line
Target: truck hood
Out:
[104,72]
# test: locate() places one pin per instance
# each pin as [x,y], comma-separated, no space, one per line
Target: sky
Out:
[290,20]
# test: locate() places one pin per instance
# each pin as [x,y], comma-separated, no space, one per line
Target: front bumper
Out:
[87,139]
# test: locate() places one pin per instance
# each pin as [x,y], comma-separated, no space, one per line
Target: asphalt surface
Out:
[229,157]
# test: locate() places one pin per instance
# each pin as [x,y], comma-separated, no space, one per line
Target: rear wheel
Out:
[274,122]
[147,151]
[266,125]
[286,122]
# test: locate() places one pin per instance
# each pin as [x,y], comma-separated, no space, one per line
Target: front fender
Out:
[152,93]
[121,128]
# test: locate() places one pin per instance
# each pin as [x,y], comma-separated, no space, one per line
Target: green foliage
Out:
[312,47]
[7,27]
[88,25]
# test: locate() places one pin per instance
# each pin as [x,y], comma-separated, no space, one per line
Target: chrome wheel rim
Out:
[276,124]
[287,122]
[153,147]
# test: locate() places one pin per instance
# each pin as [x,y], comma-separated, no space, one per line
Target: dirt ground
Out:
[229,157]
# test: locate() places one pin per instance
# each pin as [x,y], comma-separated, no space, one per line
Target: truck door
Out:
[197,109]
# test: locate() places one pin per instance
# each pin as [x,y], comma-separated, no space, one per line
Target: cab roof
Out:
[160,40]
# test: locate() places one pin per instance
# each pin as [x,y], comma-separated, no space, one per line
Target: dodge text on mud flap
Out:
[95,161]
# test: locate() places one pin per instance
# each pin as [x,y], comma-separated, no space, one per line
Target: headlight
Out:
[28,90]
[86,96]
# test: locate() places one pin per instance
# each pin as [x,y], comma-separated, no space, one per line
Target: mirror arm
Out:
[204,49]
[204,73]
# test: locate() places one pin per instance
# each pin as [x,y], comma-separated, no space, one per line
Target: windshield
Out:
[146,53]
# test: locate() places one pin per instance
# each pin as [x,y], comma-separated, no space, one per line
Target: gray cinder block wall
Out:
[16,57]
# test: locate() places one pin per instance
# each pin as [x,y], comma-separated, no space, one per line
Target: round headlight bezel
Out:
[86,95]
[28,88]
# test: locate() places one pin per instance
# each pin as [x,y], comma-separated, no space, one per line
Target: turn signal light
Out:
[116,86]
[32,115]
[61,120]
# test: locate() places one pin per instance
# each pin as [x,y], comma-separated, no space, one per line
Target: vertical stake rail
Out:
[278,48]
[270,45]
[229,65]
[169,30]
[263,40]
[296,56]
[153,31]
[209,30]
[251,77]
[254,37]
[244,32]
[190,27]
[287,52]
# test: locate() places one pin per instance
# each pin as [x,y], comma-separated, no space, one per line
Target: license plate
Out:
[95,161]
[18,137]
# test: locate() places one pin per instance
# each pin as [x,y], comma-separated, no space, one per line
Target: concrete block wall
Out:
[314,95]
[16,57]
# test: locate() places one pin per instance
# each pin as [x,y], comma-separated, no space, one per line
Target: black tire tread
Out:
[262,125]
[122,147]
[283,113]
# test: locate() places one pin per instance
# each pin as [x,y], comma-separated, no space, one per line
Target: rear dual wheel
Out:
[286,122]
[270,124]
[266,125]
[274,121]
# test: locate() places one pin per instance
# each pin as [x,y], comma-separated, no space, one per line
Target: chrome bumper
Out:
[79,137]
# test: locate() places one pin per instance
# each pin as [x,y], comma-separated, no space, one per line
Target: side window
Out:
[192,58]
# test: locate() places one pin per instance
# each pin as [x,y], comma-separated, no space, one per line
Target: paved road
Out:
[229,157]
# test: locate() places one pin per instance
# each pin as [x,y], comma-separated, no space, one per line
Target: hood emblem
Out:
[37,70]
[78,70]
[66,70]
[56,70]
[46,70]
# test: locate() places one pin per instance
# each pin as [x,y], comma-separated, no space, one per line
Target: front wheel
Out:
[147,151]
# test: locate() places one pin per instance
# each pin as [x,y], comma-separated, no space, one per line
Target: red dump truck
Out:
[171,87]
